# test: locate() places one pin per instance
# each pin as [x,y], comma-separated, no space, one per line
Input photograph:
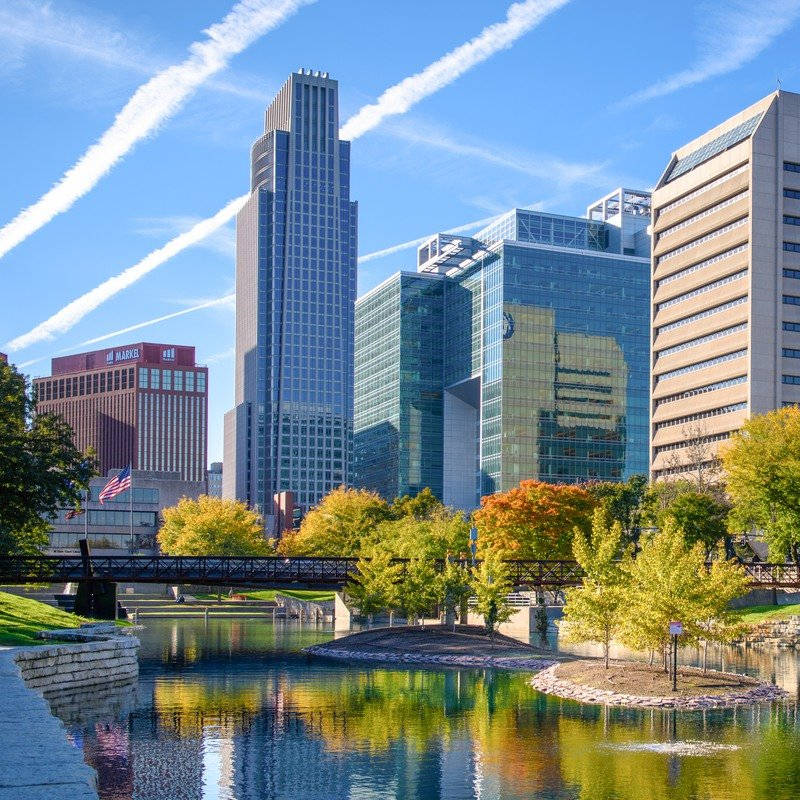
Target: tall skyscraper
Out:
[726,284]
[520,352]
[143,405]
[296,243]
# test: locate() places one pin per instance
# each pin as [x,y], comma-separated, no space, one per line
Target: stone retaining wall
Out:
[70,666]
[783,633]
[548,682]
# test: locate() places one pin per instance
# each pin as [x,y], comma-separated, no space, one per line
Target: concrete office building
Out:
[214,479]
[520,352]
[726,284]
[296,241]
[143,405]
[119,524]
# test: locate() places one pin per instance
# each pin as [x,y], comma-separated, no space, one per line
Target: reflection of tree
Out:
[187,707]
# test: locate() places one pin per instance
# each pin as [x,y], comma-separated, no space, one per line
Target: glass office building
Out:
[296,243]
[520,352]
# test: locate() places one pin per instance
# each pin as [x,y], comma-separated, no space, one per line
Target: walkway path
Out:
[36,760]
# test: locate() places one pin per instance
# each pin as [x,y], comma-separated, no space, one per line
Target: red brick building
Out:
[142,404]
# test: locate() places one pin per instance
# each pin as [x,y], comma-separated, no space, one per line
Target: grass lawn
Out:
[268,595]
[764,613]
[21,618]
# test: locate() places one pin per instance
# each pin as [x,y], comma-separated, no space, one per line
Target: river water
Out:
[231,710]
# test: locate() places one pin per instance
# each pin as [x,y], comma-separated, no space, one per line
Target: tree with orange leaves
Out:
[533,520]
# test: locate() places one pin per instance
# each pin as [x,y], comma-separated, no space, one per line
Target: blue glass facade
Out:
[544,373]
[291,429]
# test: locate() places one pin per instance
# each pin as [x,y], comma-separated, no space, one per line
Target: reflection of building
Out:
[214,479]
[518,353]
[726,283]
[291,428]
[111,525]
[143,404]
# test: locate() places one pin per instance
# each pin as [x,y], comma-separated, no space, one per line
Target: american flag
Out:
[119,483]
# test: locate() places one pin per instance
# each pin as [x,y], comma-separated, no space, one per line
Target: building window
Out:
[791,352]
[791,273]
[792,326]
[178,385]
[792,247]
[790,219]
[189,381]
[791,166]
[142,377]
[155,378]
[791,300]
[201,382]
[166,379]
[793,193]
[792,379]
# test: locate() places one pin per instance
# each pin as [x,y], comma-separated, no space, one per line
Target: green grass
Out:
[268,595]
[21,618]
[756,614]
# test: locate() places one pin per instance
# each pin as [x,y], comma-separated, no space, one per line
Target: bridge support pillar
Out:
[96,598]
[342,618]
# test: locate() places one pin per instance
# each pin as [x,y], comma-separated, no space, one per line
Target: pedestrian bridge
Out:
[294,572]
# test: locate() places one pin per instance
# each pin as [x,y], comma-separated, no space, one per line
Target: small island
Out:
[462,646]
[635,683]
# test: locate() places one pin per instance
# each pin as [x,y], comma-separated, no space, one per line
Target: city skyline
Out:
[522,162]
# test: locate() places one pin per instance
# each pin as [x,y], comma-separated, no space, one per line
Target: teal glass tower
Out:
[520,352]
[296,243]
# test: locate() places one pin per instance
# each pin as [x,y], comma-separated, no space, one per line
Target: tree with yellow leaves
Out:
[762,471]
[594,610]
[211,526]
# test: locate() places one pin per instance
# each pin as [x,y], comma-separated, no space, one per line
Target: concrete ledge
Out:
[500,662]
[37,762]
[548,682]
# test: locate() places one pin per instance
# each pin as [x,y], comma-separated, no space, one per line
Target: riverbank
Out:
[639,685]
[466,646]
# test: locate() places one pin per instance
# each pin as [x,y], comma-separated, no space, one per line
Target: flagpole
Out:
[131,505]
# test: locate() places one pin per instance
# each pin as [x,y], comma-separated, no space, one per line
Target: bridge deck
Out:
[295,571]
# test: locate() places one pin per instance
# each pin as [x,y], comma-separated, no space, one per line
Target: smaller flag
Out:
[74,512]
[119,483]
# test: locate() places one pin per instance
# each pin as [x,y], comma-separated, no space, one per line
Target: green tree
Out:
[211,526]
[40,467]
[342,525]
[417,589]
[452,587]
[443,532]
[593,611]
[701,517]
[762,470]
[420,506]
[491,584]
[623,501]
[668,581]
[373,587]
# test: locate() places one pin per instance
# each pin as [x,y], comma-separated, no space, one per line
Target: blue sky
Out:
[591,97]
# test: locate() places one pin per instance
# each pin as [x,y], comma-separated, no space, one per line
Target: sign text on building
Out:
[112,356]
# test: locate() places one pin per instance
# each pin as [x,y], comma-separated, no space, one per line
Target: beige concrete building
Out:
[726,284]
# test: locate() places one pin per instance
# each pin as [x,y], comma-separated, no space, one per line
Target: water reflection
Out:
[233,711]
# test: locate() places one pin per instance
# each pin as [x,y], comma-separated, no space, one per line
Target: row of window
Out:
[172,380]
[81,385]
[701,215]
[701,290]
[701,265]
[701,340]
[716,437]
[709,387]
[702,240]
[710,362]
[713,412]
[697,192]
[140,495]
[707,313]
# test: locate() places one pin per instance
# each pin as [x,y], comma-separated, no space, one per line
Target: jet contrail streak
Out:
[396,248]
[150,106]
[397,99]
[75,311]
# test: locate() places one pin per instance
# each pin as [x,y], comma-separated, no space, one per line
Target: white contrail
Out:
[217,301]
[520,18]
[73,312]
[151,105]
[396,248]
